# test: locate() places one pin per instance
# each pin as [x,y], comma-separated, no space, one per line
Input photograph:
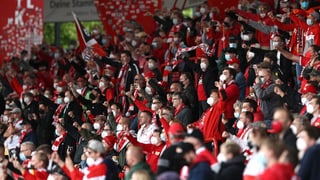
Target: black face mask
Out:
[41,112]
[92,96]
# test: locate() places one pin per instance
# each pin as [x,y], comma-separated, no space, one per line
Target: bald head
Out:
[134,155]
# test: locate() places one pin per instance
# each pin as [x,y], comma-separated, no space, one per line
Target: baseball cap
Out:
[308,88]
[183,147]
[176,129]
[195,133]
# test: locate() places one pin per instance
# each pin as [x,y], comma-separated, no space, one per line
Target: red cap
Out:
[233,60]
[149,74]
[176,128]
[276,127]
[308,88]
[110,140]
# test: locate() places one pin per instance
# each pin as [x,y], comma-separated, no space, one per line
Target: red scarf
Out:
[266,84]
[122,77]
[58,112]
[178,109]
[24,134]
[58,141]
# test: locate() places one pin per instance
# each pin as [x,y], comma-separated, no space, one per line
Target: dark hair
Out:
[249,115]
[188,76]
[313,132]
[253,104]
[271,56]
[232,71]
[118,105]
[148,113]
[128,53]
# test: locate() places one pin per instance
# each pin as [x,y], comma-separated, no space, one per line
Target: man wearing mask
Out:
[263,38]
[229,91]
[71,113]
[146,129]
[44,128]
[234,63]
[96,169]
[182,111]
[207,73]
[31,106]
[153,149]
[264,90]
[63,142]
[313,107]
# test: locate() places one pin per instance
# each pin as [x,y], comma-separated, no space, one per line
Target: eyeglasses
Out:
[107,129]
[136,79]
[155,102]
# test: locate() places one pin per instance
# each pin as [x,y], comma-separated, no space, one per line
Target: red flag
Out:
[85,40]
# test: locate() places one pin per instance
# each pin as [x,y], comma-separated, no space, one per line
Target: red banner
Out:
[113,13]
[21,26]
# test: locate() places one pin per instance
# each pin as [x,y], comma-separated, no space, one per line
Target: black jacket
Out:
[232,169]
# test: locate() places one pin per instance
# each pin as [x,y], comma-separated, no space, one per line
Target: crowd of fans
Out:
[207,97]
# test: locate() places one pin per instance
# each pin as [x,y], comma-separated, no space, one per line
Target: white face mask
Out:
[250,54]
[66,99]
[134,43]
[301,144]
[79,91]
[27,100]
[114,113]
[96,126]
[227,57]
[151,66]
[236,115]
[90,161]
[309,22]
[262,80]
[233,45]
[202,10]
[221,158]
[231,66]
[304,101]
[105,134]
[59,89]
[163,137]
[245,37]
[275,44]
[148,90]
[153,107]
[223,78]
[175,21]
[203,66]
[210,101]
[154,140]
[57,132]
[293,129]
[119,127]
[310,109]
[262,15]
[101,84]
[240,125]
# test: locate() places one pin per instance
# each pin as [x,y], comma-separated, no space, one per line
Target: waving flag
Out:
[85,40]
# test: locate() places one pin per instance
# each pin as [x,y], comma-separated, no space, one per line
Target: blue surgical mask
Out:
[175,21]
[236,115]
[304,5]
[309,22]
[262,159]
[233,45]
[227,57]
[59,101]
[22,157]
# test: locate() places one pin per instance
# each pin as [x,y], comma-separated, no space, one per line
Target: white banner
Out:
[61,10]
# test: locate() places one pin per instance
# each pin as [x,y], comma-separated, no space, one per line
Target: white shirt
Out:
[145,132]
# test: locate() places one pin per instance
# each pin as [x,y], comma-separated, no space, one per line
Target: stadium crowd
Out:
[207,97]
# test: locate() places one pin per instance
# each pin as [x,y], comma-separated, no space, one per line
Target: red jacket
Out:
[153,152]
[38,174]
[278,172]
[231,93]
[96,171]
[316,123]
